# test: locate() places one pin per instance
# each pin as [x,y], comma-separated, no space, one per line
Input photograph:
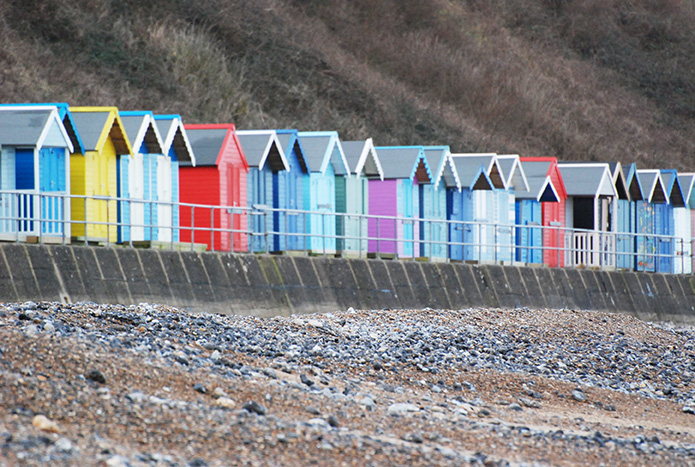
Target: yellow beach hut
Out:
[94,174]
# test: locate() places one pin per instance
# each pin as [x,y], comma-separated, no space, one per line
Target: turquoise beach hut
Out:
[325,161]
[434,227]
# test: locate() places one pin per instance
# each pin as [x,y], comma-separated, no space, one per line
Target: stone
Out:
[333,421]
[64,445]
[401,408]
[43,423]
[227,403]
[254,407]
[96,376]
[516,407]
[200,388]
[578,395]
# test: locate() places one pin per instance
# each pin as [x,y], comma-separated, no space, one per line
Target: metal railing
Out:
[57,217]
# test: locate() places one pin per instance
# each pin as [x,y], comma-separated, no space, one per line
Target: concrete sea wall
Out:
[266,285]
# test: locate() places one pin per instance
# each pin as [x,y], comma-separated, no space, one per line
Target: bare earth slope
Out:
[152,385]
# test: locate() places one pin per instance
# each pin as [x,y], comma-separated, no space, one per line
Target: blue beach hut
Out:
[34,161]
[636,198]
[352,196]
[294,181]
[177,149]
[650,213]
[471,180]
[265,187]
[325,161]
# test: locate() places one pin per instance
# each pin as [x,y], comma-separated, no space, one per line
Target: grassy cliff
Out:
[580,80]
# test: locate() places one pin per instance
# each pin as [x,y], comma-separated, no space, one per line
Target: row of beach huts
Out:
[98,174]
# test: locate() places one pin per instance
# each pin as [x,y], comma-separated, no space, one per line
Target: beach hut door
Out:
[164,209]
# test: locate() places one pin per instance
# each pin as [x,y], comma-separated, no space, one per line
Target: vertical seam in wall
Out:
[229,281]
[64,296]
[443,284]
[205,270]
[9,270]
[282,283]
[146,278]
[31,267]
[166,275]
[540,287]
[455,267]
[123,276]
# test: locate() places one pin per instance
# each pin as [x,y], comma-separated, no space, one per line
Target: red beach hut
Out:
[218,179]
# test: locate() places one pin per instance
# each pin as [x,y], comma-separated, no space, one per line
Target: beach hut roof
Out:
[673,188]
[96,124]
[512,171]
[289,140]
[33,126]
[322,148]
[174,136]
[361,157]
[587,179]
[262,147]
[653,186]
[141,129]
[404,162]
[209,140]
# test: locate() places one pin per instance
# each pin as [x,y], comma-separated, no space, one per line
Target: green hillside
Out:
[580,80]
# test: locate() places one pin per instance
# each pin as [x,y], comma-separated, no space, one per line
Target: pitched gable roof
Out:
[587,179]
[404,162]
[141,129]
[65,115]
[289,141]
[174,136]
[512,171]
[363,158]
[262,147]
[673,188]
[632,181]
[437,158]
[33,126]
[96,124]
[322,148]
[652,186]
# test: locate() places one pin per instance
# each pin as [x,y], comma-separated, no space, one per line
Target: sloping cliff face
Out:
[580,80]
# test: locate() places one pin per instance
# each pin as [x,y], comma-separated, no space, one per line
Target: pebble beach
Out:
[151,385]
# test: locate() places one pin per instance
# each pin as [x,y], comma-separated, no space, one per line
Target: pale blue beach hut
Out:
[352,196]
[177,149]
[266,190]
